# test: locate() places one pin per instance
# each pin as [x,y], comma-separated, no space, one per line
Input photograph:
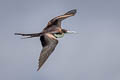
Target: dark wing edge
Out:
[49,43]
[73,12]
[62,17]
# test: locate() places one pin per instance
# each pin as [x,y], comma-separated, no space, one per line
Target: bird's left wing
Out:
[49,43]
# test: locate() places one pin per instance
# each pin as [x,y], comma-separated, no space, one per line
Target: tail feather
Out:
[29,35]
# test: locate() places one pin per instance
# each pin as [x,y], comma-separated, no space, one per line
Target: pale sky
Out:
[93,54]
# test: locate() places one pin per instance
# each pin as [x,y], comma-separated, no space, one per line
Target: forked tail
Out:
[29,35]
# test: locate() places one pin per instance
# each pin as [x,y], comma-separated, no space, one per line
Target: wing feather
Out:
[49,43]
[58,19]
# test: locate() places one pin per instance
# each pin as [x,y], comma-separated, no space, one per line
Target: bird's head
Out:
[68,32]
[61,34]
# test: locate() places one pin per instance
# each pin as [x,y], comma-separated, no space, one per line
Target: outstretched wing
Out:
[58,19]
[49,43]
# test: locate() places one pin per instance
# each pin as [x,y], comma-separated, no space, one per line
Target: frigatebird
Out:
[49,35]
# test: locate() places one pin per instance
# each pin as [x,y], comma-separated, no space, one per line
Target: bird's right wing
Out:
[62,17]
[49,43]
[66,15]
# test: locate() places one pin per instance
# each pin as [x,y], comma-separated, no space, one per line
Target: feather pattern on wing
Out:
[49,43]
[57,20]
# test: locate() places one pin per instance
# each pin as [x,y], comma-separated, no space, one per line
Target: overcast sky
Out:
[94,54]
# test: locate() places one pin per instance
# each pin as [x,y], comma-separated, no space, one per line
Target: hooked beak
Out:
[71,32]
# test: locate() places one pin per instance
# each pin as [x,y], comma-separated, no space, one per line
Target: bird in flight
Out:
[49,35]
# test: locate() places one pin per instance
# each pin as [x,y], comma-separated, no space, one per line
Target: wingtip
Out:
[73,11]
[38,69]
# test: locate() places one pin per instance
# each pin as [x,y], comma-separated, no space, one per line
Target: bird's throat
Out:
[59,35]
